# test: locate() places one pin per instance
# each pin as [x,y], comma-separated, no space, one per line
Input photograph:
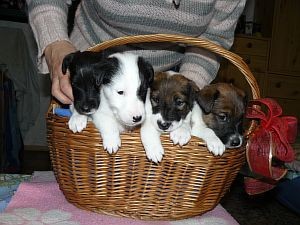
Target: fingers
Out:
[54,54]
[61,87]
[66,87]
[57,90]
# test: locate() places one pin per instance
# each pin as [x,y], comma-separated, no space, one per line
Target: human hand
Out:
[54,54]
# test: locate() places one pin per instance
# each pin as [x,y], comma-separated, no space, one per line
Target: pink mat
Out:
[41,202]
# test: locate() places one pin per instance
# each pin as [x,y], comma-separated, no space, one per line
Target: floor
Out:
[261,209]
[256,210]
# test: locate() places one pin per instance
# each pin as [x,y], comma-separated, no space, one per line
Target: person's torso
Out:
[107,19]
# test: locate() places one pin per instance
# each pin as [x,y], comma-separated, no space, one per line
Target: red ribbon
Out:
[271,139]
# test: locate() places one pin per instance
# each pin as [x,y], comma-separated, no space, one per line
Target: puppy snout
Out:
[85,108]
[235,141]
[88,106]
[163,125]
[136,119]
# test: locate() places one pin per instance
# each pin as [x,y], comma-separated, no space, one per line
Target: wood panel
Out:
[251,46]
[234,76]
[281,86]
[254,51]
[289,107]
[255,63]
[285,45]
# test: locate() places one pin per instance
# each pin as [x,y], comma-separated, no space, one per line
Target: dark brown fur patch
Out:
[168,90]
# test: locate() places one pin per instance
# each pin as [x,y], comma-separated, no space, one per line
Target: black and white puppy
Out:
[169,106]
[123,98]
[87,71]
[223,108]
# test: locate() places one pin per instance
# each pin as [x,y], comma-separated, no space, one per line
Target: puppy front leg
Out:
[150,137]
[77,122]
[200,130]
[109,131]
[182,134]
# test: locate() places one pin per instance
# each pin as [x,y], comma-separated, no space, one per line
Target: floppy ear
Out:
[105,69]
[193,91]
[98,75]
[147,69]
[242,94]
[67,62]
[207,97]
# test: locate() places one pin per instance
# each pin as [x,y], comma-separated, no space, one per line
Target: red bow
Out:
[270,140]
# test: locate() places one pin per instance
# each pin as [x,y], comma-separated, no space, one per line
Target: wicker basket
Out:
[189,181]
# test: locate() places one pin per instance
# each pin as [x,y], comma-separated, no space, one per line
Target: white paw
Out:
[180,136]
[215,145]
[154,152]
[111,143]
[77,123]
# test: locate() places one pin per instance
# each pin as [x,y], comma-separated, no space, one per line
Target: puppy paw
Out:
[77,123]
[180,136]
[215,145]
[111,143]
[155,153]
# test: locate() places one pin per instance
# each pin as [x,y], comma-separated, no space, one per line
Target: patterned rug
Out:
[40,201]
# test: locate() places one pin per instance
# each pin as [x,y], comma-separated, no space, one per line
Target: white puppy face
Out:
[126,91]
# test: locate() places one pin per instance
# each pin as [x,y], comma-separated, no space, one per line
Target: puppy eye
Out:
[179,103]
[155,99]
[120,92]
[223,117]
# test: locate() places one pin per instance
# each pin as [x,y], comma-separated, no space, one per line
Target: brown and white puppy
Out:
[169,105]
[175,105]
[223,107]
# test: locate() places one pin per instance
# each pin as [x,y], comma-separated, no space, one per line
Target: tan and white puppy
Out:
[175,105]
[169,105]
[222,111]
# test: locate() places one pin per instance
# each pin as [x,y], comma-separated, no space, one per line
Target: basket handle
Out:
[197,42]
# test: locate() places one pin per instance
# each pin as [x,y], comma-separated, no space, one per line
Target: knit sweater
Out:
[100,20]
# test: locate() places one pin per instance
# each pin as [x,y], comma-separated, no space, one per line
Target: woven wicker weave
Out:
[189,181]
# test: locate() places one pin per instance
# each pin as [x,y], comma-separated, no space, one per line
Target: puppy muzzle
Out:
[234,141]
[163,125]
[86,109]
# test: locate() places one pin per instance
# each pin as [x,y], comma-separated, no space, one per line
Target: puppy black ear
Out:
[207,97]
[146,69]
[67,62]
[105,70]
[98,75]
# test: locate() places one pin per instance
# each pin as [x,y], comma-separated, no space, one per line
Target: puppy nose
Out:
[235,142]
[164,125]
[137,119]
[92,105]
[84,108]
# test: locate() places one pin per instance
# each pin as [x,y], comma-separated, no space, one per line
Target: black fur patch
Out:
[146,74]
[88,70]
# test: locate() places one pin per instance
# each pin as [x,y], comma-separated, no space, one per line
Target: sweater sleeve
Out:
[48,21]
[200,65]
